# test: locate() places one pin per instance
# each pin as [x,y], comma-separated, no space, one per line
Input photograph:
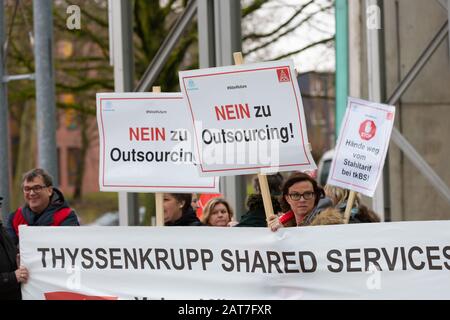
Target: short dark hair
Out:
[186,197]
[275,181]
[38,172]
[293,179]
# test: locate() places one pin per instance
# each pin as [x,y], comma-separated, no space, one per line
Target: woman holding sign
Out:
[302,198]
[178,210]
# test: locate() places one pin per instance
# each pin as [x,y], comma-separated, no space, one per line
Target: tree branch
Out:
[255,5]
[323,41]
[287,22]
[267,43]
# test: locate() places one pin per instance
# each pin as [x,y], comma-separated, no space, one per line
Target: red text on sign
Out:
[232,112]
[147,134]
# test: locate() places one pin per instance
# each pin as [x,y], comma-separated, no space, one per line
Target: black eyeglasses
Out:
[37,188]
[308,195]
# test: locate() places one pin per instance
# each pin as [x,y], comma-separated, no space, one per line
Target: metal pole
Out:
[166,48]
[398,138]
[4,130]
[45,87]
[420,63]
[375,68]
[227,29]
[123,82]
[341,61]
[205,22]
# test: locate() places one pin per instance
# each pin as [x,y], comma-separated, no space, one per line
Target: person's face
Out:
[172,208]
[219,216]
[36,194]
[301,206]
[194,203]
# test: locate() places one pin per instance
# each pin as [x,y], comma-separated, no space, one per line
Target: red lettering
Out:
[148,134]
[145,133]
[134,133]
[220,113]
[232,112]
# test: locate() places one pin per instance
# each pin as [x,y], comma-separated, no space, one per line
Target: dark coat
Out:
[57,202]
[256,215]
[187,219]
[9,287]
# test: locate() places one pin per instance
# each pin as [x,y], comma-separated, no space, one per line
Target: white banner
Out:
[362,145]
[400,260]
[146,144]
[247,119]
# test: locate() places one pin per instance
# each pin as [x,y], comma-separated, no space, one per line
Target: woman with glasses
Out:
[302,198]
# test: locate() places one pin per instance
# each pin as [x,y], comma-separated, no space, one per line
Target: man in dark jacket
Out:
[45,205]
[256,215]
[10,275]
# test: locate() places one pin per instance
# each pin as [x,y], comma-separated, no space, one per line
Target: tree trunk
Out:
[26,159]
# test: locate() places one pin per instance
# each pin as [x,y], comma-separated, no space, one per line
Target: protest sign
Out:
[247,119]
[362,145]
[399,260]
[146,144]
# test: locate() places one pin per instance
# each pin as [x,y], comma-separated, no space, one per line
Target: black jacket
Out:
[57,202]
[256,215]
[9,287]
[187,219]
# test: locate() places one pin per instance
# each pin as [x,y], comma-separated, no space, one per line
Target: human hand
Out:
[22,274]
[232,223]
[274,223]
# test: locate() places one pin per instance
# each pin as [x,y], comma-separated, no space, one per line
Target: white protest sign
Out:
[146,144]
[247,119]
[398,260]
[362,145]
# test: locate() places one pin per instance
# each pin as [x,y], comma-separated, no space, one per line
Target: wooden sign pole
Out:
[263,184]
[348,209]
[159,196]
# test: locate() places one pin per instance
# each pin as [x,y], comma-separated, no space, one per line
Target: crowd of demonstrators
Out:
[44,205]
[11,276]
[307,204]
[178,210]
[256,215]
[301,200]
[359,212]
[217,213]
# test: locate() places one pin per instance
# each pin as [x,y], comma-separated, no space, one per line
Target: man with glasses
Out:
[44,205]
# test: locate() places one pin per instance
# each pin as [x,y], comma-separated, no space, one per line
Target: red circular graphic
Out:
[367,129]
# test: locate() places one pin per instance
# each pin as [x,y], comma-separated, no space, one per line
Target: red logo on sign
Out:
[367,129]
[283,75]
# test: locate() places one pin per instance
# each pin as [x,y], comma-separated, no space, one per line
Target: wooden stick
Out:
[263,184]
[159,197]
[348,209]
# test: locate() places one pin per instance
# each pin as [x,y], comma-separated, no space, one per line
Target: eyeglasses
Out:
[308,195]
[37,188]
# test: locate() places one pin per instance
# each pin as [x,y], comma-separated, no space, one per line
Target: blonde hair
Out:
[209,207]
[339,195]
[327,217]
